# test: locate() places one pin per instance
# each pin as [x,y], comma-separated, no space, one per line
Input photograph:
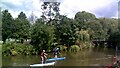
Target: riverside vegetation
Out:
[29,36]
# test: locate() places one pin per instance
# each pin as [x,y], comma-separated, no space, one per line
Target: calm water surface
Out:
[91,57]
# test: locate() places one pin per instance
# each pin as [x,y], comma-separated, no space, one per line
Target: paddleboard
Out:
[53,59]
[40,65]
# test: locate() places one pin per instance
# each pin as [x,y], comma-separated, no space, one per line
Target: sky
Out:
[101,8]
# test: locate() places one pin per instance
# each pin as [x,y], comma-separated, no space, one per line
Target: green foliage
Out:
[74,48]
[114,39]
[17,49]
[83,35]
[22,16]
[13,52]
[53,27]
[83,17]
[21,28]
[109,25]
[95,30]
[17,29]
[86,45]
[7,25]
[65,31]
[42,35]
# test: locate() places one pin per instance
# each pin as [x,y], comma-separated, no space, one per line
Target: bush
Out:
[74,48]
[85,45]
[13,52]
[6,49]
[17,48]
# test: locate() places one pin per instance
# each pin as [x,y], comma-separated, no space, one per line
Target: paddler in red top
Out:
[43,56]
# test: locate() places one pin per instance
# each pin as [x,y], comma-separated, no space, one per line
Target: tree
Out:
[50,11]
[83,17]
[109,25]
[22,16]
[83,35]
[65,31]
[114,39]
[7,25]
[42,35]
[95,30]
[21,29]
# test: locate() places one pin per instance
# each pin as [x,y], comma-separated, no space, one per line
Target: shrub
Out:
[17,48]
[85,45]
[6,49]
[74,48]
[13,52]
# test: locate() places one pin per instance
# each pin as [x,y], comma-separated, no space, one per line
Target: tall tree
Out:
[65,31]
[50,11]
[109,25]
[95,30]
[83,17]
[21,28]
[7,24]
[114,39]
[42,35]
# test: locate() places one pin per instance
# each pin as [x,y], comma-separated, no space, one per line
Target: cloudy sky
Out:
[101,8]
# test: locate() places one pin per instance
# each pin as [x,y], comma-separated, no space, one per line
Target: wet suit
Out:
[56,52]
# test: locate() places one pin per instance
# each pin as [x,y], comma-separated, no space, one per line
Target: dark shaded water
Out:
[88,57]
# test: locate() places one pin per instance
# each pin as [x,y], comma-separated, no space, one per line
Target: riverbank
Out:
[14,49]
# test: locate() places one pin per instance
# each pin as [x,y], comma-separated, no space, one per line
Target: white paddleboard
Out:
[40,65]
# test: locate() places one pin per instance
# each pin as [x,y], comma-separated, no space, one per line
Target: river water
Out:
[88,57]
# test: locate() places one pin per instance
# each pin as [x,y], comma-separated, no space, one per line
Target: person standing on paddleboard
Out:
[43,56]
[56,52]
